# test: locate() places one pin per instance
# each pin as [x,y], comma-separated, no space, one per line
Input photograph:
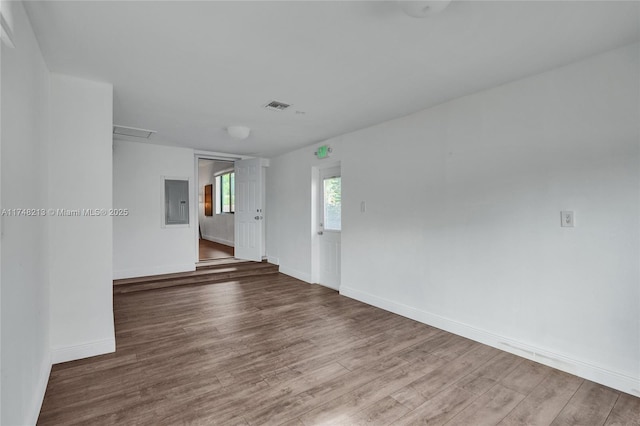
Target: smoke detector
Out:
[277,106]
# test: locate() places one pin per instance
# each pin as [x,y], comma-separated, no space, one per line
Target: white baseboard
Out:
[84,350]
[302,276]
[219,240]
[152,270]
[45,372]
[273,260]
[595,373]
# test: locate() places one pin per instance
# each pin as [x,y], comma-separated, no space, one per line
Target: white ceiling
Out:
[190,69]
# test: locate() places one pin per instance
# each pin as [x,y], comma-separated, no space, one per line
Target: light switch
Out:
[363,207]
[566,219]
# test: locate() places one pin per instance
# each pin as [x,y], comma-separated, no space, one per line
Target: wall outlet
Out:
[566,219]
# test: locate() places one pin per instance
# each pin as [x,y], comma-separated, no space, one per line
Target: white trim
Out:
[273,260]
[302,276]
[41,388]
[595,373]
[196,207]
[315,238]
[211,155]
[154,270]
[84,350]
[219,240]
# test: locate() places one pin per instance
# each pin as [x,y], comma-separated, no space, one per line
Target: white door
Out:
[330,226]
[249,215]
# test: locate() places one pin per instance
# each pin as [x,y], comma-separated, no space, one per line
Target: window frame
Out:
[220,194]
[323,180]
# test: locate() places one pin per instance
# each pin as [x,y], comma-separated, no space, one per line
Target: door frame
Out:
[315,202]
[205,155]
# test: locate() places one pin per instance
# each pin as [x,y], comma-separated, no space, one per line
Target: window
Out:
[332,190]
[225,193]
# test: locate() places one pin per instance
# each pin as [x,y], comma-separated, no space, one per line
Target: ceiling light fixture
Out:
[238,132]
[423,8]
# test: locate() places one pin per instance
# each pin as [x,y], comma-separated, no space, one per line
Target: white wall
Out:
[465,228]
[289,228]
[25,353]
[219,227]
[141,246]
[80,167]
[56,271]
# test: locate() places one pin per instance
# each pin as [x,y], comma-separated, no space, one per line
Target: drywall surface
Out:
[463,231]
[26,358]
[79,178]
[289,225]
[142,246]
[219,227]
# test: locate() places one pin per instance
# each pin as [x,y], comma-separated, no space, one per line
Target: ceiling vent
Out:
[132,131]
[277,106]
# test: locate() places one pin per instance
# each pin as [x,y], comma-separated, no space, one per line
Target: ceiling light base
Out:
[239,132]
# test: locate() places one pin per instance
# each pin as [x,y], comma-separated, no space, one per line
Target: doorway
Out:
[329,226]
[209,250]
[216,208]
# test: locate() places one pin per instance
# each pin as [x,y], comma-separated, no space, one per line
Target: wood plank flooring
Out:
[274,350]
[221,272]
[210,250]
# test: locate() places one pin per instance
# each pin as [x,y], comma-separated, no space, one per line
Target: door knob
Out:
[320,232]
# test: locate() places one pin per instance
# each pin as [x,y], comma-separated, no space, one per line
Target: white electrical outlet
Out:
[566,219]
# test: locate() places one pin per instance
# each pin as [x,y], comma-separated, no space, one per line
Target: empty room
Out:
[320,212]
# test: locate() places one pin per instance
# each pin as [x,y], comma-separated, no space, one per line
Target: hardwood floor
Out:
[204,274]
[209,250]
[274,350]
